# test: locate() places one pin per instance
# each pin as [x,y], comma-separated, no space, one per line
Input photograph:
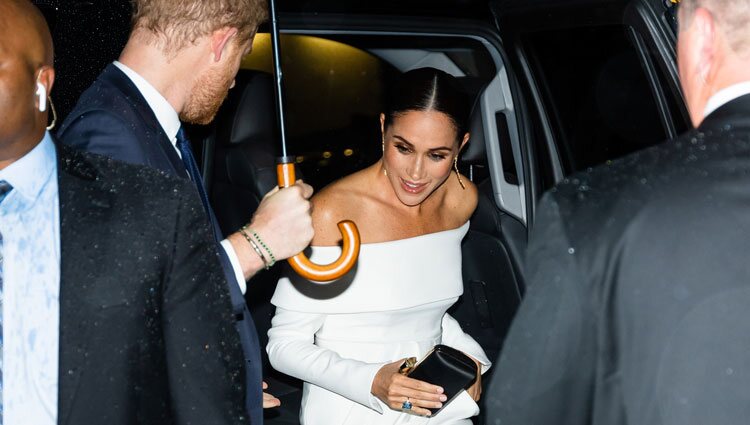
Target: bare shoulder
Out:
[462,201]
[338,201]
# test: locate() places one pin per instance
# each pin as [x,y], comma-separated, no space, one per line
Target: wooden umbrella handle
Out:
[349,233]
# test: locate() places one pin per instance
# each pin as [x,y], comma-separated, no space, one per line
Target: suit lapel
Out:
[84,211]
[119,80]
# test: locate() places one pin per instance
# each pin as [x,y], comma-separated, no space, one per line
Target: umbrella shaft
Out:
[278,76]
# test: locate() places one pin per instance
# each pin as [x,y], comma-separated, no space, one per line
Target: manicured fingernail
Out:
[440,390]
[443,398]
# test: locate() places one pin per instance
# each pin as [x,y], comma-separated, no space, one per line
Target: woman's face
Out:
[419,150]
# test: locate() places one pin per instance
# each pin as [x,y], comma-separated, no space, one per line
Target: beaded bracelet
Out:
[255,247]
[268,250]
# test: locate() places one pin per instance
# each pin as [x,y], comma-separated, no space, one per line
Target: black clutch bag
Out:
[446,367]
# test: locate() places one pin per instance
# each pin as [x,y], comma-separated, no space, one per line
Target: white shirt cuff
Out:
[235,261]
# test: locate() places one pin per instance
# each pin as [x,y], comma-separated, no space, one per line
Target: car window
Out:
[596,93]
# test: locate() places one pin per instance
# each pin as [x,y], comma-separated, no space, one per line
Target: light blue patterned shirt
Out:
[30,224]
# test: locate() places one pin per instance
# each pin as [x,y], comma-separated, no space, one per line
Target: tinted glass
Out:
[595,92]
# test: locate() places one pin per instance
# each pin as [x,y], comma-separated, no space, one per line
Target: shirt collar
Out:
[726,95]
[165,113]
[30,173]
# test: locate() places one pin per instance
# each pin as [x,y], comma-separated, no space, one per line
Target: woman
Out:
[347,339]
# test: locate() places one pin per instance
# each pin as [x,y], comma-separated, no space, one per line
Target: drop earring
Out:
[385,172]
[455,167]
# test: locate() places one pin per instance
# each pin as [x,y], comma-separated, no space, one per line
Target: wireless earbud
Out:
[42,93]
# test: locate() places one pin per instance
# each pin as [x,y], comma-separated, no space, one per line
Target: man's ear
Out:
[220,40]
[46,76]
[706,41]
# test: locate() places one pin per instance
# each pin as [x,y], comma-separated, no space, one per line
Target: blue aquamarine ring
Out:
[406,405]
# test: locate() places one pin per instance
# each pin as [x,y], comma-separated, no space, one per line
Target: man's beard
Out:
[209,93]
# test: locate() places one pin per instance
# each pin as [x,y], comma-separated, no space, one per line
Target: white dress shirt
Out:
[726,95]
[30,225]
[170,123]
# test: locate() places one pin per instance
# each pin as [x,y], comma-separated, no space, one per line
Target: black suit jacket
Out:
[145,317]
[112,118]
[638,303]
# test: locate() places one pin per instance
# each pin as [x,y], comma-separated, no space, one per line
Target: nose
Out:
[416,168]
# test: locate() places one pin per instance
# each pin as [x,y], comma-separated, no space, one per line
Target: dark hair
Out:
[428,89]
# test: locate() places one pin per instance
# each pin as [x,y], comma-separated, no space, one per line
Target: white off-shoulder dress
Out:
[392,305]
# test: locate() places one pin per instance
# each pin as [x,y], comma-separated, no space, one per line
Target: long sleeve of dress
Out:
[291,350]
[455,337]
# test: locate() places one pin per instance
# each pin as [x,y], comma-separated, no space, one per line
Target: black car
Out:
[560,86]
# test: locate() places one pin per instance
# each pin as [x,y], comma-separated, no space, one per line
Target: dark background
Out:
[88,34]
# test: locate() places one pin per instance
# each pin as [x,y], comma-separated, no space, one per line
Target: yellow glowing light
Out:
[327,154]
[348,152]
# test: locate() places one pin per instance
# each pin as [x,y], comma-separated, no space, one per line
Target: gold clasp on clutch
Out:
[407,365]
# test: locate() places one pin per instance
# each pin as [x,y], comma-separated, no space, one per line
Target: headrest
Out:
[249,113]
[475,150]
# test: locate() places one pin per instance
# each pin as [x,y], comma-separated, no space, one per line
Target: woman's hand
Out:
[475,390]
[269,401]
[393,389]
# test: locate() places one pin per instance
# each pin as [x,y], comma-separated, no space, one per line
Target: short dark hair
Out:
[429,89]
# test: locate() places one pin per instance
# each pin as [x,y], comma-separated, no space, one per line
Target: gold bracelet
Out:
[255,246]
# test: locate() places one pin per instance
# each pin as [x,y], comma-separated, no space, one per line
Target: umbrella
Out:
[286,177]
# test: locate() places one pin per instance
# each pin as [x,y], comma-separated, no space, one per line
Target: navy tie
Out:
[183,144]
[246,326]
[5,188]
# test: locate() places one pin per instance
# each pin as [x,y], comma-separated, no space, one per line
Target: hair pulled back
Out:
[428,89]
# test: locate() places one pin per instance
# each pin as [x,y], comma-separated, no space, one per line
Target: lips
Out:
[412,187]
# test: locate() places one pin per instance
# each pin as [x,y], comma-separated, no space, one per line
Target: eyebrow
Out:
[442,148]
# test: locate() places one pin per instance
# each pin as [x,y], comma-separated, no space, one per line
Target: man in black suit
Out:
[114,307]
[178,65]
[638,306]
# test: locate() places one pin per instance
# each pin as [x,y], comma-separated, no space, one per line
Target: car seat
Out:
[492,251]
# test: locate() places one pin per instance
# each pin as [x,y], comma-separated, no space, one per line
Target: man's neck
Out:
[164,74]
[12,151]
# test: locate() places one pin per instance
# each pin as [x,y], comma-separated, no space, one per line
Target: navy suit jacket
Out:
[112,118]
